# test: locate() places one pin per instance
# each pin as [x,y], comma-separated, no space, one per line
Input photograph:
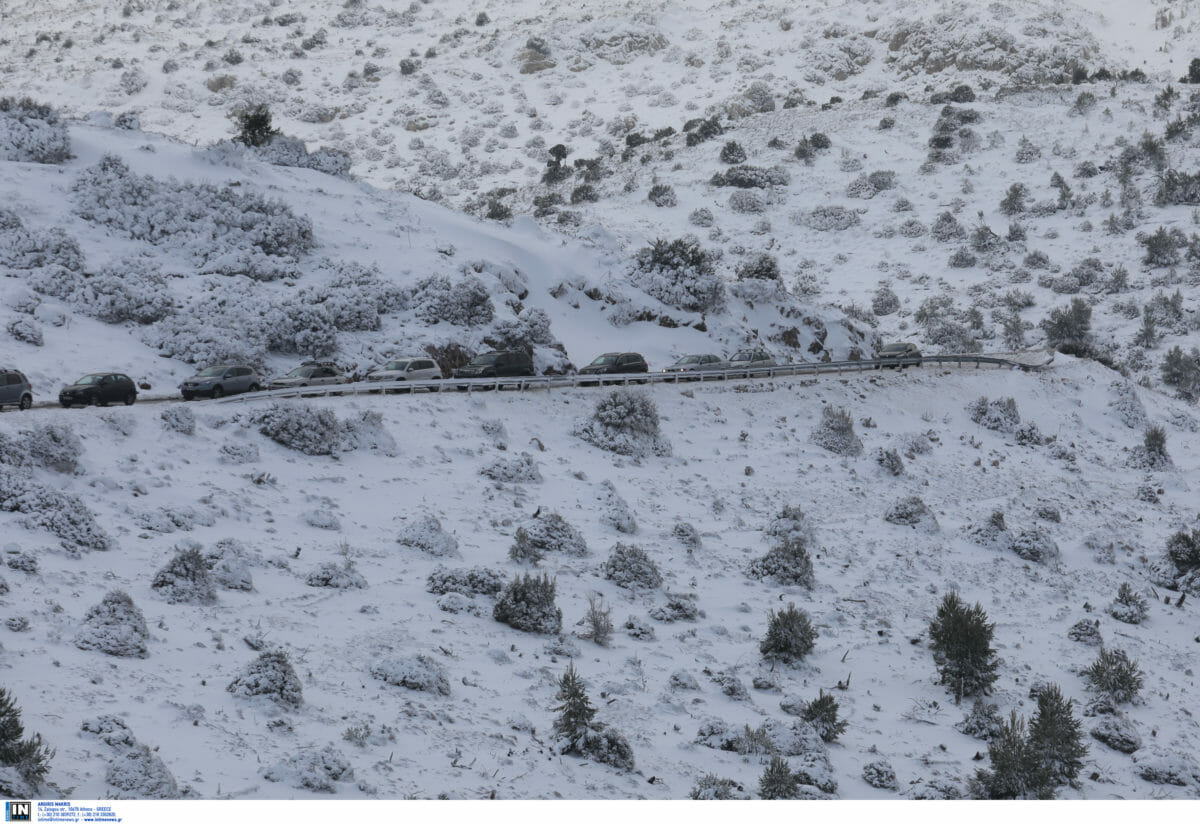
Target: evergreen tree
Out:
[1070,327]
[1056,736]
[576,711]
[1018,771]
[790,635]
[822,713]
[778,782]
[254,126]
[1114,674]
[962,647]
[29,756]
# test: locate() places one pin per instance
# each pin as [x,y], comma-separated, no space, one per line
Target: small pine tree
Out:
[1115,675]
[1017,772]
[778,782]
[523,549]
[1155,442]
[28,756]
[575,711]
[962,647]
[1069,327]
[254,126]
[1147,336]
[1014,202]
[1056,736]
[822,713]
[790,635]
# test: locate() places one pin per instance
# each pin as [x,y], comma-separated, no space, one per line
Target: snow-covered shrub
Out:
[517,470]
[236,452]
[437,299]
[1160,767]
[663,195]
[686,534]
[229,565]
[752,177]
[1129,606]
[835,432]
[322,519]
[176,418]
[787,563]
[185,577]
[529,329]
[473,581]
[1152,452]
[415,672]
[302,427]
[333,575]
[911,511]
[114,626]
[790,636]
[1119,733]
[605,745]
[1113,674]
[881,775]
[527,604]
[829,218]
[62,513]
[316,770]
[131,290]
[626,422]
[54,446]
[982,722]
[426,534]
[550,532]
[227,230]
[141,774]
[271,675]
[638,629]
[20,560]
[680,606]
[630,567]
[1035,544]
[679,273]
[889,460]
[701,217]
[32,132]
[1000,415]
[760,265]
[26,330]
[946,228]
[284,150]
[745,202]
[52,261]
[615,511]
[711,787]
[1086,632]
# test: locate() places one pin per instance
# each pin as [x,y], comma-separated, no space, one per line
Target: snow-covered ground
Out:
[153,249]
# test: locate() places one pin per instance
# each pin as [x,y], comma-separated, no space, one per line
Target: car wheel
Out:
[254,387]
[94,400]
[65,404]
[218,392]
[26,402]
[187,396]
[130,397]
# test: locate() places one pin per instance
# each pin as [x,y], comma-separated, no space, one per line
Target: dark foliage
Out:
[962,647]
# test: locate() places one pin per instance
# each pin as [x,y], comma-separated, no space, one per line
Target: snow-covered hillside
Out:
[683,177]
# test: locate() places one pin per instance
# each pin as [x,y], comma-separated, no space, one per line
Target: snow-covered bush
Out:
[1129,606]
[759,265]
[1162,767]
[1113,674]
[332,575]
[615,511]
[302,427]
[426,534]
[946,228]
[626,422]
[1000,415]
[787,563]
[114,626]
[32,132]
[226,230]
[982,722]
[790,636]
[437,299]
[229,565]
[663,195]
[130,290]
[185,577]
[62,513]
[284,150]
[679,606]
[1035,544]
[889,460]
[26,330]
[1119,733]
[752,177]
[1086,632]
[54,446]
[679,273]
[630,567]
[835,432]
[415,672]
[473,581]
[271,675]
[236,452]
[711,787]
[687,534]
[550,532]
[829,218]
[134,770]
[527,604]
[176,418]
[746,202]
[321,518]
[881,775]
[529,329]
[911,511]
[517,470]
[311,769]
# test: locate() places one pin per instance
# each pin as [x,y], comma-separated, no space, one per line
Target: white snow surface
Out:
[456,130]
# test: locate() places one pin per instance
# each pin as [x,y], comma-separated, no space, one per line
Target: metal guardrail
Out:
[548,382]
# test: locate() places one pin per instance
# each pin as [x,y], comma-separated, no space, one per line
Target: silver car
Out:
[750,359]
[697,363]
[310,373]
[218,381]
[15,389]
[899,355]
[407,369]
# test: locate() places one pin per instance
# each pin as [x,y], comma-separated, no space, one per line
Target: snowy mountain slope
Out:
[740,454]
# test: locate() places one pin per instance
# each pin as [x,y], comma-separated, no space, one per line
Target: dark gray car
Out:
[15,389]
[218,381]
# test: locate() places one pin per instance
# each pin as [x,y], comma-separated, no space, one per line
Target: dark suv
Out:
[616,363]
[218,381]
[497,365]
[99,389]
[15,389]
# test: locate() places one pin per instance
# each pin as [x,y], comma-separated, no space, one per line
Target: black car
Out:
[99,389]
[899,355]
[15,389]
[616,363]
[497,365]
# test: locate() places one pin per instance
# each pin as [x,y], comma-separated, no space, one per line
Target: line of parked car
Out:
[103,388]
